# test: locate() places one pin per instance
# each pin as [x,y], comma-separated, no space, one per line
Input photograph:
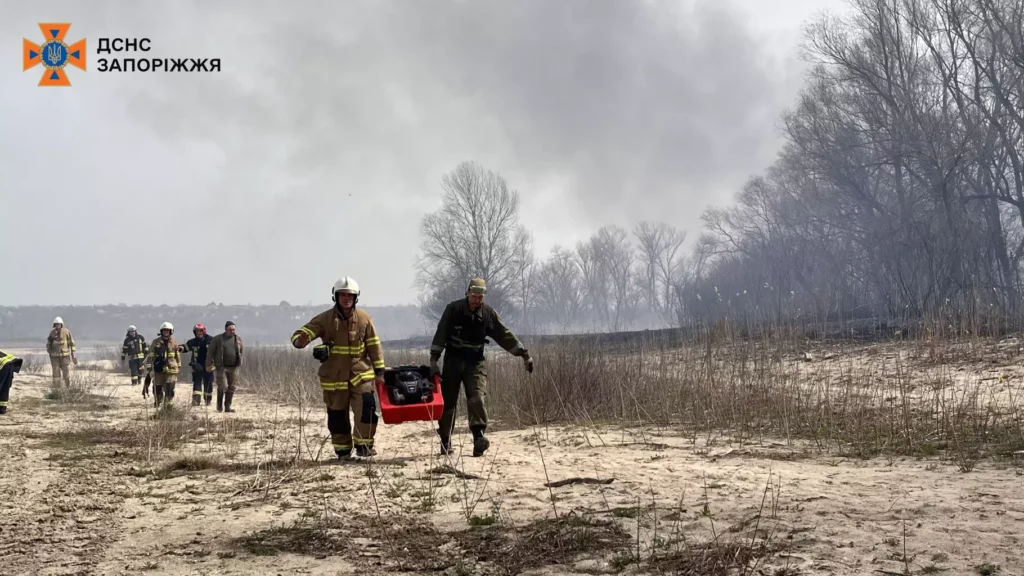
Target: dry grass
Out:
[711,559]
[79,389]
[88,436]
[859,399]
[111,354]
[177,425]
[557,541]
[34,363]
[503,549]
[912,401]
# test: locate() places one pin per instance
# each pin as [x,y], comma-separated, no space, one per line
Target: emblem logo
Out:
[54,54]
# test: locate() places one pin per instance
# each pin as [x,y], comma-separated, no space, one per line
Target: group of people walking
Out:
[351,360]
[215,359]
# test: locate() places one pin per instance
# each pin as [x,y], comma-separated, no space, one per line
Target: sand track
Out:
[229,498]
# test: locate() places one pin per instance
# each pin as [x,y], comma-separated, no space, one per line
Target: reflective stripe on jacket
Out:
[355,352]
[60,343]
[134,346]
[166,349]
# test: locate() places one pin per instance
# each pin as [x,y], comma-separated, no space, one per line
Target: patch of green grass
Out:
[482,520]
[987,569]
[187,464]
[625,512]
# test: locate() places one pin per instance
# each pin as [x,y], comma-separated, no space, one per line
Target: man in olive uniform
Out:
[164,361]
[352,361]
[134,349]
[9,365]
[224,358]
[60,345]
[461,334]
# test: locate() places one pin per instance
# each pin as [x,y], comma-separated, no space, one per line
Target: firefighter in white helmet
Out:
[352,360]
[134,350]
[60,345]
[164,361]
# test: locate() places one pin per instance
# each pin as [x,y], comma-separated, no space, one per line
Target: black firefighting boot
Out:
[480,442]
[196,400]
[344,455]
[227,401]
[446,443]
[3,409]
[365,451]
[220,401]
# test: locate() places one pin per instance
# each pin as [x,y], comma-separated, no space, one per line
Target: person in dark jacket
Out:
[9,365]
[224,358]
[202,380]
[134,349]
[461,334]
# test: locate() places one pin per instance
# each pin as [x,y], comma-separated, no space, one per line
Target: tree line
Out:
[27,326]
[899,192]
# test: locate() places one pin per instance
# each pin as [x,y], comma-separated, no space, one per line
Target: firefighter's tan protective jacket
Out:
[168,349]
[356,354]
[60,343]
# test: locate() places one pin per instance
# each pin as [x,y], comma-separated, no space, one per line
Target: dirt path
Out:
[100,487]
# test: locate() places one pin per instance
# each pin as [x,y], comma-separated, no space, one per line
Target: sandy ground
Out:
[87,489]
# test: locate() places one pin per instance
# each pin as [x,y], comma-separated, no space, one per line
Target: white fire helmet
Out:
[346,285]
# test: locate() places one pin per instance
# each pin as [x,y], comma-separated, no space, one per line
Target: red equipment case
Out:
[396,414]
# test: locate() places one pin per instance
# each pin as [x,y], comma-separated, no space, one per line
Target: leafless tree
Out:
[899,191]
[607,260]
[885,194]
[476,232]
[660,264]
[559,291]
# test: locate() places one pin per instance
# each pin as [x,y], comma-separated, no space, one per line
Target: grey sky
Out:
[317,150]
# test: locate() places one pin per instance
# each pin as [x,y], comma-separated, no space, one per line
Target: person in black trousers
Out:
[9,365]
[202,380]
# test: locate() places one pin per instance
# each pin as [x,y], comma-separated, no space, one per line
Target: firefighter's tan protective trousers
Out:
[163,388]
[61,366]
[363,404]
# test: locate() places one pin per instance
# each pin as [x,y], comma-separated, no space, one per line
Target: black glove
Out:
[434,369]
[321,352]
[528,363]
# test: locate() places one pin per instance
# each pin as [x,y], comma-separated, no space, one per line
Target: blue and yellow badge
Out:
[54,54]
